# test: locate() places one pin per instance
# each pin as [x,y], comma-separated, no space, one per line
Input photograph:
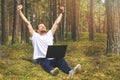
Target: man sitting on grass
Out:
[40,40]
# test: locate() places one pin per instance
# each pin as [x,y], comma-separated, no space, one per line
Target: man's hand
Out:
[19,7]
[61,9]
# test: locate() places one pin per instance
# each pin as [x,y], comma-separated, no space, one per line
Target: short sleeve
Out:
[34,35]
[50,34]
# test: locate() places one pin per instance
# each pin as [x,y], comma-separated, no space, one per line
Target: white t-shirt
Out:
[40,44]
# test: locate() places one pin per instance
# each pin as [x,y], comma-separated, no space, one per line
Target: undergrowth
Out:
[16,62]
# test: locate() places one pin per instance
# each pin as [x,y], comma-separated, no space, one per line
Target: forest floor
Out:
[16,62]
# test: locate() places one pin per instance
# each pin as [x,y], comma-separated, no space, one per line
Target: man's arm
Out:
[57,21]
[27,23]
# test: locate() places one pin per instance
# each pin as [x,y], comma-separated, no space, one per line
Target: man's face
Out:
[41,28]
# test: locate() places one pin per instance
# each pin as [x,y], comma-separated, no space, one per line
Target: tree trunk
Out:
[99,18]
[68,18]
[113,26]
[23,37]
[77,20]
[60,32]
[50,13]
[74,20]
[64,21]
[91,25]
[4,23]
[26,29]
[15,37]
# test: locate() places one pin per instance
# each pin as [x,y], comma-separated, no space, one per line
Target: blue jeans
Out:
[48,65]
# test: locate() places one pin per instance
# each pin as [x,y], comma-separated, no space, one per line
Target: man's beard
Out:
[43,31]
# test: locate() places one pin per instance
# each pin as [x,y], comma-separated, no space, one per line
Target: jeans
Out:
[48,65]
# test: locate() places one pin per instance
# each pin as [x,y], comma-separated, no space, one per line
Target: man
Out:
[40,40]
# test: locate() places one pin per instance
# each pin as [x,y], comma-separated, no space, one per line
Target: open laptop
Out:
[56,51]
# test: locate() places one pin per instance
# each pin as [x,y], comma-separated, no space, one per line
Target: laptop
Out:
[56,51]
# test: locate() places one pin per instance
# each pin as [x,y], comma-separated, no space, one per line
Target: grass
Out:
[16,62]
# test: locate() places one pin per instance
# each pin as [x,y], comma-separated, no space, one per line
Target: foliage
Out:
[16,62]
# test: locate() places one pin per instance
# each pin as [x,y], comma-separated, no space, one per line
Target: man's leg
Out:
[62,64]
[46,65]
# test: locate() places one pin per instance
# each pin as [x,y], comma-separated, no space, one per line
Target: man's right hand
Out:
[19,7]
[61,9]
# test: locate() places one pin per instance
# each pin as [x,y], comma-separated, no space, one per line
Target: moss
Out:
[16,61]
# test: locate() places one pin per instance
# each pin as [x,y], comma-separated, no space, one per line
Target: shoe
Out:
[54,72]
[75,70]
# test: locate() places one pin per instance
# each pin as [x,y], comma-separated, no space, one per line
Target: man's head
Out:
[41,29]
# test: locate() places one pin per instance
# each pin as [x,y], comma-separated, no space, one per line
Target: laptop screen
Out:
[56,51]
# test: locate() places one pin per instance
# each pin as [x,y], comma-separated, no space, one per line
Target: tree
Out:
[5,28]
[62,24]
[77,19]
[113,26]
[26,30]
[68,18]
[74,20]
[15,37]
[23,28]
[91,25]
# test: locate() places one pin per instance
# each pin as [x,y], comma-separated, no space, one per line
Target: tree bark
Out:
[74,20]
[23,27]
[5,29]
[91,25]
[15,38]
[113,26]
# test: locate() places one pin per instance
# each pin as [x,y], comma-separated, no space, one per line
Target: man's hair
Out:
[41,24]
[37,26]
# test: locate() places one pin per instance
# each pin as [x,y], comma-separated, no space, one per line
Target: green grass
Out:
[16,62]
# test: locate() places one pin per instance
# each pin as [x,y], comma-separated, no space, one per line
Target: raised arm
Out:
[27,23]
[57,21]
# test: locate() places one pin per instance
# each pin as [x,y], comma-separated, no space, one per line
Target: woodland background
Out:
[90,28]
